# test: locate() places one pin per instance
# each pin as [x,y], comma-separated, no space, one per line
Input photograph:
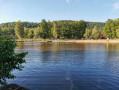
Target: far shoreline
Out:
[71,40]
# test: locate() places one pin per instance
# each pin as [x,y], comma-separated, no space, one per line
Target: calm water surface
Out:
[69,66]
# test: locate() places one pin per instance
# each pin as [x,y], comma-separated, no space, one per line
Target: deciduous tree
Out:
[54,30]
[19,30]
[44,29]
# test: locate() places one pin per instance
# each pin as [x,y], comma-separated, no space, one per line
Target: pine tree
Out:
[87,33]
[95,33]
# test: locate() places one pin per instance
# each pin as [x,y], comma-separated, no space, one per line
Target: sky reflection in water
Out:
[69,66]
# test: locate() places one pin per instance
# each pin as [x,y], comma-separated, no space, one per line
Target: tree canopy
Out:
[111,28]
[87,33]
[19,30]
[67,29]
[95,33]
[9,60]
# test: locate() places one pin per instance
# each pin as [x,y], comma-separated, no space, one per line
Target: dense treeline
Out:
[90,25]
[53,30]
[62,29]
[99,25]
[111,29]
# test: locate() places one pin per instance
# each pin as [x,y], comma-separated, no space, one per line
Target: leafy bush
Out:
[9,60]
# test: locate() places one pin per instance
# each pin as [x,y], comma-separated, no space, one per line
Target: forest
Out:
[63,29]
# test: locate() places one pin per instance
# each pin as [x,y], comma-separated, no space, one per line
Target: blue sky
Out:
[36,10]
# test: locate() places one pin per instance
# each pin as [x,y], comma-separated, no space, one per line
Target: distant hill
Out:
[99,25]
[25,24]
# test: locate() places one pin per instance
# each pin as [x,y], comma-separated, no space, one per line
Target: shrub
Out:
[9,60]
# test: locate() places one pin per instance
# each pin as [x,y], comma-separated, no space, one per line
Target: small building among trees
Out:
[102,36]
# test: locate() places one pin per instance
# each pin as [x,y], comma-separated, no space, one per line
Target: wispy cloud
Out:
[67,1]
[116,6]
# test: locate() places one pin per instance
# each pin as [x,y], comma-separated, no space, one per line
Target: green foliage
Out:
[31,33]
[54,30]
[0,30]
[44,29]
[70,29]
[8,31]
[66,31]
[65,28]
[82,28]
[117,33]
[26,31]
[99,25]
[78,29]
[25,24]
[110,28]
[95,33]
[36,32]
[87,33]
[9,60]
[107,29]
[19,30]
[49,29]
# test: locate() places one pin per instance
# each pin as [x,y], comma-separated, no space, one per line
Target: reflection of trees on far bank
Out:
[20,45]
[112,47]
[51,52]
[112,51]
[69,53]
[112,58]
[62,46]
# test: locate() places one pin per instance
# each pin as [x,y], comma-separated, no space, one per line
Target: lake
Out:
[69,66]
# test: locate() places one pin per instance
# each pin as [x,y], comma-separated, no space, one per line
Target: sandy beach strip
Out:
[94,41]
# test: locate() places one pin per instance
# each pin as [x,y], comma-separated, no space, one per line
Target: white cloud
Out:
[67,1]
[116,6]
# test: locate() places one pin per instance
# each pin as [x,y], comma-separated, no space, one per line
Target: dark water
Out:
[69,66]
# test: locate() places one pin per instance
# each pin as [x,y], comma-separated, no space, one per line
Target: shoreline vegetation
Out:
[10,61]
[71,40]
[63,29]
